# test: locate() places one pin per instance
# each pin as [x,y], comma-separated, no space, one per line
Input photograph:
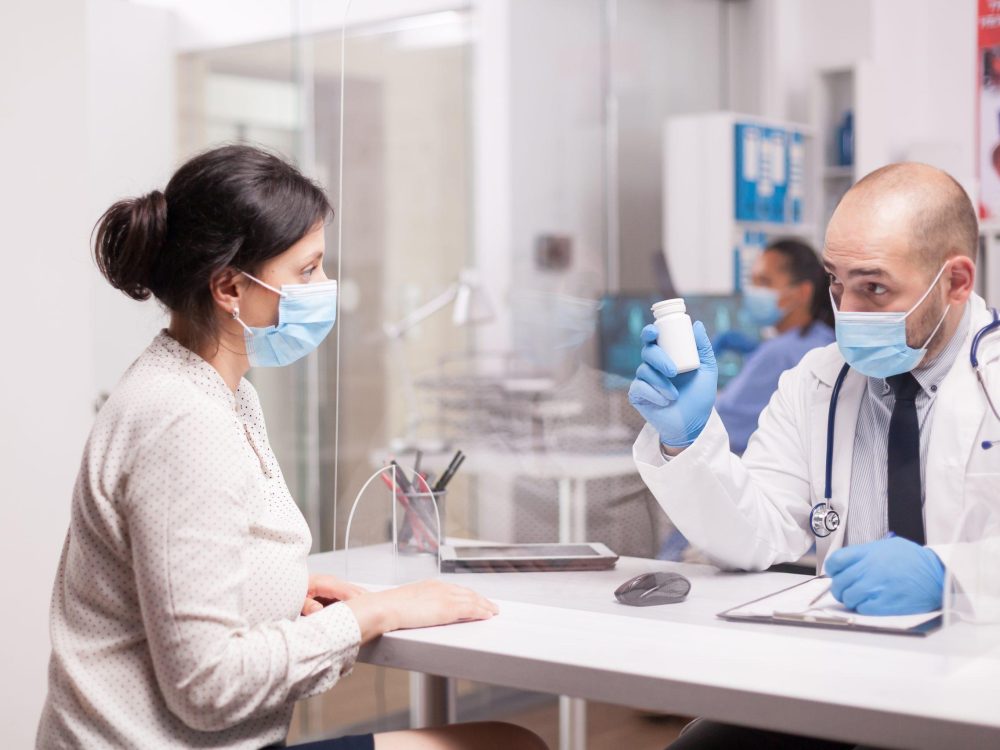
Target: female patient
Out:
[183,614]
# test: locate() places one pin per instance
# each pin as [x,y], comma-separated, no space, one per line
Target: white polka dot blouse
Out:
[175,612]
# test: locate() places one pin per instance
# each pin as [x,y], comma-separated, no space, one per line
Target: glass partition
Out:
[496,172]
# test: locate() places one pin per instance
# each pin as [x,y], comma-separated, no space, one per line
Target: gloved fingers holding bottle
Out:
[657,368]
[676,404]
[892,576]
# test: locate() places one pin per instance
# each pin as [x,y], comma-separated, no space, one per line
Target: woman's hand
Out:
[418,605]
[324,590]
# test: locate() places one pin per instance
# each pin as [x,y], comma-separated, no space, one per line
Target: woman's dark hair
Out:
[231,206]
[802,264]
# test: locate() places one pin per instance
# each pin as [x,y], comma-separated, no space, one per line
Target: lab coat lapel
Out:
[826,371]
[846,425]
[956,420]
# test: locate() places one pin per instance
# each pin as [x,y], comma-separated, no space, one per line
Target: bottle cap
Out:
[669,307]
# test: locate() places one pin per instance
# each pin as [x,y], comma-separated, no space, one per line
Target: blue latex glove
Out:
[734,341]
[892,576]
[677,406]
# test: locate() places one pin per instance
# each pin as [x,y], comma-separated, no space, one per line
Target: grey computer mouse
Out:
[653,588]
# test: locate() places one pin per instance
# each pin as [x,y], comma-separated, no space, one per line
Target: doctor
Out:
[900,252]
[909,440]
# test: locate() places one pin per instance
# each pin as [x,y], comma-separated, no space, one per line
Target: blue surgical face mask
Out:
[306,314]
[874,343]
[761,306]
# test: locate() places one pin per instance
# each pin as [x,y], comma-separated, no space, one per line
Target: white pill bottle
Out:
[676,334]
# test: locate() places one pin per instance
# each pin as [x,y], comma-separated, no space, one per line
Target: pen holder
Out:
[422,521]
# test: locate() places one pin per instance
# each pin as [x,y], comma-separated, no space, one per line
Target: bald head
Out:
[923,206]
[904,239]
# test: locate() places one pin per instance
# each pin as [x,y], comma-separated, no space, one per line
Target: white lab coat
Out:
[753,512]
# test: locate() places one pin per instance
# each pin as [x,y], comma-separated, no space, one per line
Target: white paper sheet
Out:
[795,602]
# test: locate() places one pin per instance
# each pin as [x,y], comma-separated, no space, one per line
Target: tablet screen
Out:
[533,551]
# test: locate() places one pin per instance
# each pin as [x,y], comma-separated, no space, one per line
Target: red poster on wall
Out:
[988,76]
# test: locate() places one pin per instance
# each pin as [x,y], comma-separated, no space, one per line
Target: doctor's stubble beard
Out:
[927,320]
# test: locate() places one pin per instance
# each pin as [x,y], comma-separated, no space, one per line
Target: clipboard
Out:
[790,606]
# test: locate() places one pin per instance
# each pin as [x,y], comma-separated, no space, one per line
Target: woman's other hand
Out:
[418,605]
[324,590]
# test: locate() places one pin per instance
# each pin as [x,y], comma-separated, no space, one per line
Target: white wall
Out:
[557,132]
[88,117]
[46,382]
[925,52]
[131,116]
[669,59]
[540,76]
[922,57]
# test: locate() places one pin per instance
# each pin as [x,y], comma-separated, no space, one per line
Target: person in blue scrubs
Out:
[789,294]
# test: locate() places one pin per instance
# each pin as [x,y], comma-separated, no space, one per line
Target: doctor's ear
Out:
[962,279]
[226,286]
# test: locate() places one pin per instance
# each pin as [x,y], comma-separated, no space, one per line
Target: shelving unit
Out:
[834,92]
[722,171]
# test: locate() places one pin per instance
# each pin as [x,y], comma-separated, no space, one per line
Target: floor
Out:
[608,727]
[372,692]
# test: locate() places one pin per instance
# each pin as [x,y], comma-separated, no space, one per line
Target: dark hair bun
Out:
[130,235]
[235,206]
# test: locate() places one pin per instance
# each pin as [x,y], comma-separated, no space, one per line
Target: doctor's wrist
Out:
[668,452]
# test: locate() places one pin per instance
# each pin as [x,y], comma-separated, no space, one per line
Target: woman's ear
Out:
[804,293]
[227,286]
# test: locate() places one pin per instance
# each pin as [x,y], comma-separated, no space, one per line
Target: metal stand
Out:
[432,700]
[572,723]
[572,528]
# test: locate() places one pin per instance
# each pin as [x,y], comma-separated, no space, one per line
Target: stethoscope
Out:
[823,519]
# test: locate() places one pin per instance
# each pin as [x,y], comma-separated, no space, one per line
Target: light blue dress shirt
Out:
[744,398]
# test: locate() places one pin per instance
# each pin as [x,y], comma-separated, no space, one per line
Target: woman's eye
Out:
[308,272]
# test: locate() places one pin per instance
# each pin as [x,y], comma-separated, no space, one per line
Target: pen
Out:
[424,537]
[826,590]
[448,472]
[429,520]
[416,461]
[401,480]
[441,485]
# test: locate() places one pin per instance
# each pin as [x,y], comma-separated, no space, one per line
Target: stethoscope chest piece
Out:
[824,520]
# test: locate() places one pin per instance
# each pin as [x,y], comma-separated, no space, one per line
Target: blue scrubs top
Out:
[744,398]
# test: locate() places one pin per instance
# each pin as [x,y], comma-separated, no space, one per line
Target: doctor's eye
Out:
[877,289]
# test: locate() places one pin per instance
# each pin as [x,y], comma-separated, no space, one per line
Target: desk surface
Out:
[564,633]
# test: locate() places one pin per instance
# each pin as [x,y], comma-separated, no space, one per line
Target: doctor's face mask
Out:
[874,343]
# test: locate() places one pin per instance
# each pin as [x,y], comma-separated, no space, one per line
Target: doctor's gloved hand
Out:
[677,406]
[892,576]
[734,341]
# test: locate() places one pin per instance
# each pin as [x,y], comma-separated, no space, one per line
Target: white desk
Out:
[563,633]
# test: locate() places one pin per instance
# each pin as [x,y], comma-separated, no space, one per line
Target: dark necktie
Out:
[906,516]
